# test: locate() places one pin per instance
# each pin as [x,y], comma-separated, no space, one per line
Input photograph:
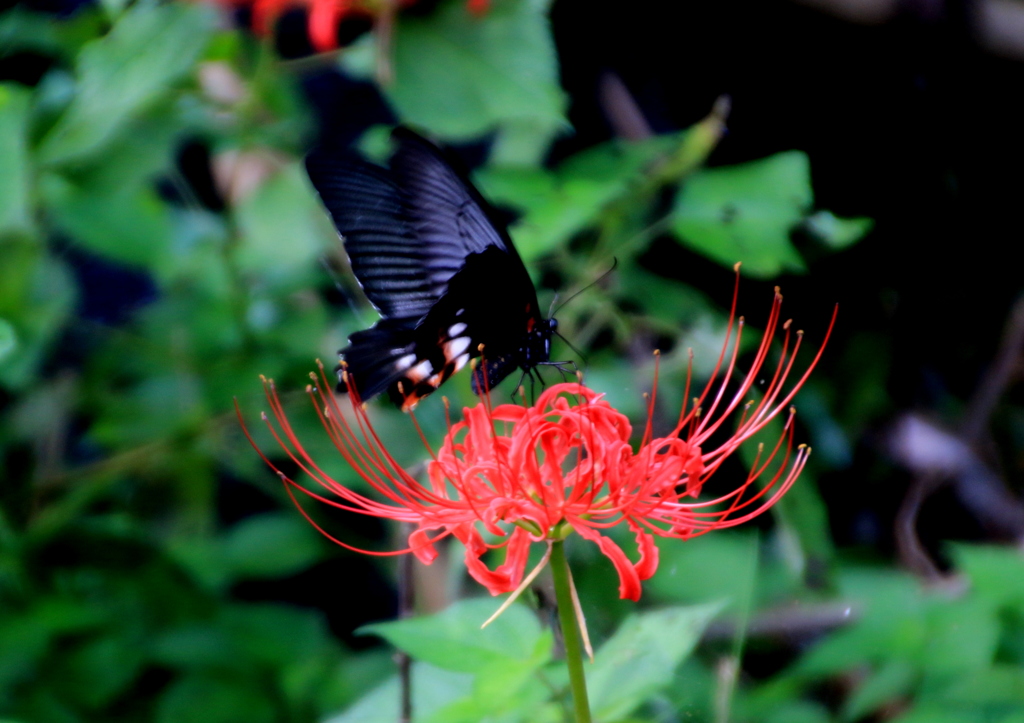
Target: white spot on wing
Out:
[455,329]
[405,362]
[418,372]
[460,361]
[455,347]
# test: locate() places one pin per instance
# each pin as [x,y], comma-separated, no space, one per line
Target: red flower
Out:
[324,15]
[530,473]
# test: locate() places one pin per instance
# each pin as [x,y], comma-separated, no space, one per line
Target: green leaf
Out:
[432,690]
[522,143]
[803,531]
[128,224]
[279,223]
[98,671]
[206,698]
[120,75]
[678,306]
[25,638]
[271,545]
[996,573]
[941,714]
[453,640]
[832,441]
[745,212]
[460,76]
[997,685]
[892,680]
[798,711]
[559,205]
[500,690]
[15,211]
[354,675]
[962,636]
[718,561]
[893,623]
[23,30]
[8,339]
[274,634]
[37,292]
[143,153]
[642,656]
[501,683]
[195,645]
[835,232]
[130,418]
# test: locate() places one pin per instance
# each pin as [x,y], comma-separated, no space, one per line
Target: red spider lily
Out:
[533,473]
[324,15]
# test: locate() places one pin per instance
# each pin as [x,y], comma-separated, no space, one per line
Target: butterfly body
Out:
[441,270]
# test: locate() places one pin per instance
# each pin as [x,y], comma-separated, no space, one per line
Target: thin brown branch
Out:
[621,109]
[911,552]
[791,623]
[998,378]
[938,457]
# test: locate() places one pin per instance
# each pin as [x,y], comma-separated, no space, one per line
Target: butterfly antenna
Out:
[551,306]
[592,284]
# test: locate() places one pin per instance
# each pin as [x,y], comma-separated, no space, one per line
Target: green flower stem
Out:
[570,632]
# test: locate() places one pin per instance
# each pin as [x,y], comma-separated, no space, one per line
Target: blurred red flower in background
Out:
[324,15]
[539,472]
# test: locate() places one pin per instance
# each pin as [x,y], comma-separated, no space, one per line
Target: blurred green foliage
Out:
[119,578]
[505,672]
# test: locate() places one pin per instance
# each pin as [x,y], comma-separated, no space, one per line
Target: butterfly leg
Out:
[562,367]
[561,371]
[532,374]
[519,386]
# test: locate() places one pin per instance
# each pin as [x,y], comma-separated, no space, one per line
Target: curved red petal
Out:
[323,23]
[648,562]
[265,13]
[422,546]
[629,580]
[506,577]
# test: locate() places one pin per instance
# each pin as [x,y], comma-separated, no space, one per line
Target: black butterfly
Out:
[438,266]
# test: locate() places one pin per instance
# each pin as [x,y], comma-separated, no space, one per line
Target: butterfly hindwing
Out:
[489,307]
[376,357]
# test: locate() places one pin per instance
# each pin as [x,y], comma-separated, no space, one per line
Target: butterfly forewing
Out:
[429,255]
